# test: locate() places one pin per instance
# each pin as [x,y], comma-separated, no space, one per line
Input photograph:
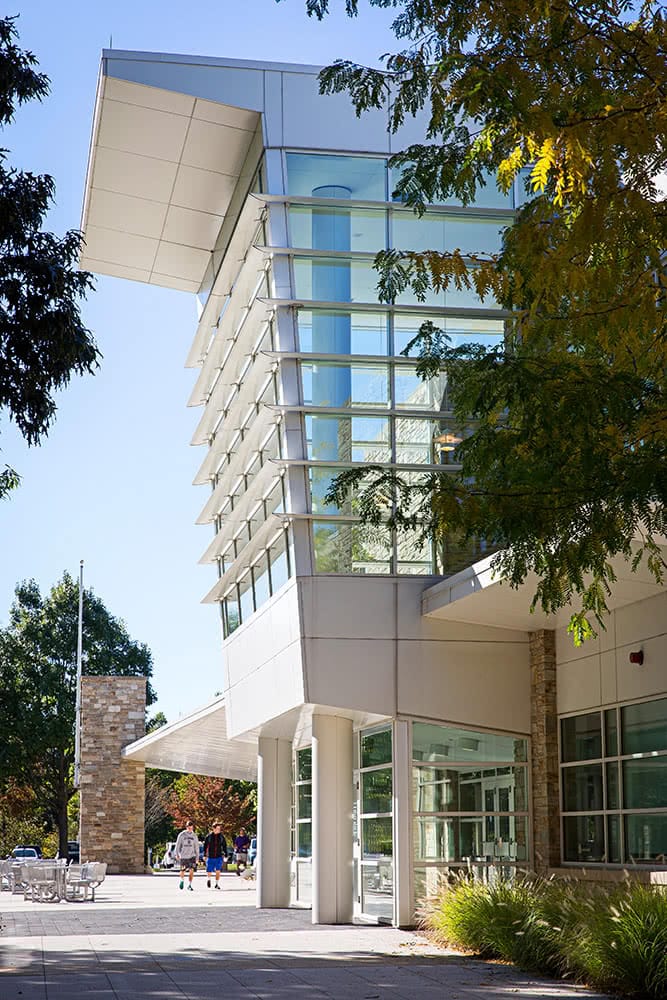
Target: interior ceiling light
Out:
[447,441]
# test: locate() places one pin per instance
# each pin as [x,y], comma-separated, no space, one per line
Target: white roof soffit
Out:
[162,169]
[479,596]
[198,744]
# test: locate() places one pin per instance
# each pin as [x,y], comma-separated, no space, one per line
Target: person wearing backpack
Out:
[215,849]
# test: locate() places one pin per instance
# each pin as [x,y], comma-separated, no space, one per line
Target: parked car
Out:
[73,852]
[169,858]
[26,851]
[252,851]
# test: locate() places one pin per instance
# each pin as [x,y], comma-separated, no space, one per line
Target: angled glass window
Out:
[343,333]
[323,175]
[335,279]
[413,393]
[487,196]
[328,228]
[347,439]
[487,332]
[337,385]
[351,548]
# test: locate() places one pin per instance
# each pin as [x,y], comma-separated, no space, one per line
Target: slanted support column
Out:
[332,820]
[112,790]
[274,796]
[544,760]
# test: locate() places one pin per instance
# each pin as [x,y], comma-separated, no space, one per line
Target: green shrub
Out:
[610,939]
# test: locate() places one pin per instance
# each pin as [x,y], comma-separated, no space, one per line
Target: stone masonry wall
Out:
[544,769]
[112,789]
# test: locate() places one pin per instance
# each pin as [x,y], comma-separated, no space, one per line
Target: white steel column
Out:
[403,903]
[332,820]
[274,761]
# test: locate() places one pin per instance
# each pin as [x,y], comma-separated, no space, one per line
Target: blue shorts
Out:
[213,864]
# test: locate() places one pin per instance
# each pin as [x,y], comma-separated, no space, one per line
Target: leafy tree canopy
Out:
[43,340]
[205,800]
[38,685]
[566,101]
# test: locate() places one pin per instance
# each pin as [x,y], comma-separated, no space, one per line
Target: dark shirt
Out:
[242,843]
[215,846]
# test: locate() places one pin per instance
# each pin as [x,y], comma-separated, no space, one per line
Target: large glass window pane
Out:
[414,440]
[487,196]
[414,556]
[452,555]
[376,791]
[376,837]
[376,748]
[305,801]
[365,332]
[614,840]
[260,575]
[232,617]
[468,789]
[581,737]
[646,839]
[348,439]
[644,727]
[613,798]
[486,332]
[351,548]
[360,229]
[611,733]
[481,838]
[415,393]
[583,838]
[304,836]
[446,743]
[582,788]
[345,385]
[377,890]
[335,279]
[361,178]
[470,235]
[245,598]
[279,565]
[645,783]
[304,764]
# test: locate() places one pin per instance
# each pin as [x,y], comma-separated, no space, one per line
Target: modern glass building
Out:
[398,705]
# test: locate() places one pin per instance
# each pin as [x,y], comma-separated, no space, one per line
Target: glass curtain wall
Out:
[614,785]
[470,799]
[365,402]
[375,824]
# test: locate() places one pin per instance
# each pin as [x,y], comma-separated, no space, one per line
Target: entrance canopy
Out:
[198,744]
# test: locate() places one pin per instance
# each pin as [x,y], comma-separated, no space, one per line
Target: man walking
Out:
[215,849]
[241,845]
[187,852]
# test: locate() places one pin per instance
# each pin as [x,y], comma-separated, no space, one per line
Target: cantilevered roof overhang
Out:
[479,595]
[162,170]
[198,744]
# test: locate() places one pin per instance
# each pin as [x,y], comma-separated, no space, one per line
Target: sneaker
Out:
[208,883]
[181,884]
[190,888]
[217,886]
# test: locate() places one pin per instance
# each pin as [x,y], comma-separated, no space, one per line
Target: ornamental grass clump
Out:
[610,939]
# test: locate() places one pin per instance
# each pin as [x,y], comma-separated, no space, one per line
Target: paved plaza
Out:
[143,939]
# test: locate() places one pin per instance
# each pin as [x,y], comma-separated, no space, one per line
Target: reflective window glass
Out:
[376,837]
[376,791]
[465,838]
[583,838]
[487,332]
[343,439]
[279,565]
[260,576]
[351,548]
[613,788]
[304,764]
[470,235]
[445,743]
[342,333]
[335,279]
[582,788]
[459,789]
[414,555]
[611,733]
[487,195]
[645,783]
[414,440]
[304,834]
[644,727]
[376,748]
[328,228]
[345,385]
[246,598]
[581,737]
[232,616]
[645,839]
[413,393]
[305,801]
[318,175]
[614,840]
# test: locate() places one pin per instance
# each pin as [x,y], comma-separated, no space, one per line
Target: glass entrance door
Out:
[373,827]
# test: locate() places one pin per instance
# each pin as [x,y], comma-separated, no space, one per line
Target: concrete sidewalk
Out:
[143,938]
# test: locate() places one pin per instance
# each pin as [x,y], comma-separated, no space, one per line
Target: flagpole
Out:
[79,657]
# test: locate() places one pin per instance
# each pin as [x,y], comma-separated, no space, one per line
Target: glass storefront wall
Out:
[470,804]
[302,827]
[374,818]
[614,785]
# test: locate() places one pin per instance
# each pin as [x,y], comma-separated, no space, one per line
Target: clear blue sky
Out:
[112,482]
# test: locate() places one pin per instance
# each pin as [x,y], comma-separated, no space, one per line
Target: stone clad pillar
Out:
[544,760]
[111,824]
